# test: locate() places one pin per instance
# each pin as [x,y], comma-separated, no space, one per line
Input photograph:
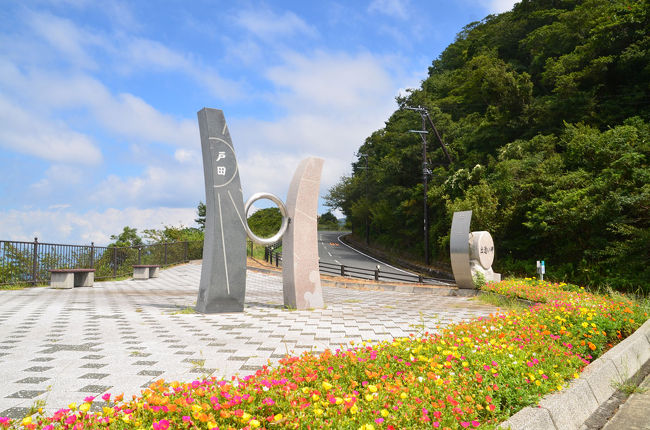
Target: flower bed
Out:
[469,375]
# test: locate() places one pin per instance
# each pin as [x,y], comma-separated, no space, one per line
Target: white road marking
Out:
[372,258]
[337,261]
[329,253]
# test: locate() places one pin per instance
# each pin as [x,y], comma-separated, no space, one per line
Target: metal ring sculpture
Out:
[283,212]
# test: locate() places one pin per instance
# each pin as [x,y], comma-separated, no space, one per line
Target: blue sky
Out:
[98,100]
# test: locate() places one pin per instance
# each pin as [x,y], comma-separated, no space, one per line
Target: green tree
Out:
[265,222]
[200,212]
[128,237]
[544,110]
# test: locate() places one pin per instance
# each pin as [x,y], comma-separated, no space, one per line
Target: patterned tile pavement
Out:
[59,346]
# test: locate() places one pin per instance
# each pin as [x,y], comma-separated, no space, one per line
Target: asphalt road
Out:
[332,250]
[334,253]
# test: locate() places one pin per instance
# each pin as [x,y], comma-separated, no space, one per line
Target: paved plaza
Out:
[60,346]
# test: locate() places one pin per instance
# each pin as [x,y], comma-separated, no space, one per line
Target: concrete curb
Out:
[571,407]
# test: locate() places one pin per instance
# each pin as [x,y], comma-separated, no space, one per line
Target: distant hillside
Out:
[545,111]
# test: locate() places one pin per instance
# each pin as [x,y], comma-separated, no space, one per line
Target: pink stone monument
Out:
[300,274]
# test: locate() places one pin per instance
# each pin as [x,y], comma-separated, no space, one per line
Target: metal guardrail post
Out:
[35,261]
[376,274]
[186,251]
[165,253]
[277,259]
[266,253]
[115,262]
[342,270]
[420,279]
[92,255]
[139,255]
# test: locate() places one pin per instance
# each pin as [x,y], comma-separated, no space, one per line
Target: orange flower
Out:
[592,346]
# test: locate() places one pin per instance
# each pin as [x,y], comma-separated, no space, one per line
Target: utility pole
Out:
[425,179]
[367,217]
[424,114]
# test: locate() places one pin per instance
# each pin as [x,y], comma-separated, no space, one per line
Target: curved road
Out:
[333,251]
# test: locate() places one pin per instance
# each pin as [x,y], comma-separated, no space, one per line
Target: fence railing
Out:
[30,262]
[359,272]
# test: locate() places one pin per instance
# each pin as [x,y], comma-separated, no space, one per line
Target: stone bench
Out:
[145,271]
[70,278]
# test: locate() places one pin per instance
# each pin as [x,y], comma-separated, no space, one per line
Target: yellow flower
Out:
[246,417]
[403,396]
[384,413]
[339,400]
[254,424]
[369,397]
[27,420]
[315,397]
[85,407]
[72,406]
[277,417]
[372,388]
[354,409]
[327,386]
[318,412]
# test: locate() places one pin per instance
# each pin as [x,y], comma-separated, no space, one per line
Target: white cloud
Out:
[267,25]
[124,114]
[332,103]
[62,225]
[63,35]
[156,186]
[395,8]
[30,133]
[496,6]
[153,56]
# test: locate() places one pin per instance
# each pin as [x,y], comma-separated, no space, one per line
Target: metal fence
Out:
[360,272]
[30,262]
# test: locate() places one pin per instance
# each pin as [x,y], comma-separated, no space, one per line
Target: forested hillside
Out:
[546,114]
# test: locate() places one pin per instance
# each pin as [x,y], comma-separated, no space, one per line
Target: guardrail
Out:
[360,272]
[30,262]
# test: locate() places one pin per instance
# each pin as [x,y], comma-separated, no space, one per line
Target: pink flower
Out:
[186,418]
[476,423]
[436,424]
[89,399]
[71,419]
[465,424]
[106,397]
[379,420]
[160,425]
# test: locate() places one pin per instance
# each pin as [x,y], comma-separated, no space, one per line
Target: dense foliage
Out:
[265,222]
[469,375]
[545,112]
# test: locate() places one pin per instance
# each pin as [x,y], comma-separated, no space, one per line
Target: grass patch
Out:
[500,301]
[185,310]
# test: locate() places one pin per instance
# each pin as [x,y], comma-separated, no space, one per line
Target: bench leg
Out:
[62,280]
[153,272]
[84,279]
[140,273]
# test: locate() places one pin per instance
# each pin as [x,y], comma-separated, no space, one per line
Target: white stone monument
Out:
[471,253]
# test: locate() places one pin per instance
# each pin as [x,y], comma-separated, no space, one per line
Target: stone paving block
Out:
[120,328]
[530,419]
